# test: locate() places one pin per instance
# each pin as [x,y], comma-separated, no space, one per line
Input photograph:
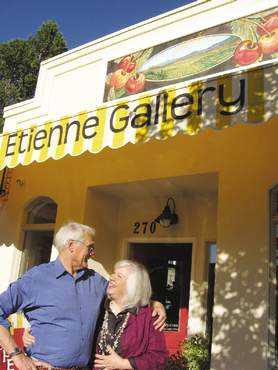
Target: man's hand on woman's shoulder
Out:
[159,310]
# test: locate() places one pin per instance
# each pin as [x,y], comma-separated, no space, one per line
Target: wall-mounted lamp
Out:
[20,182]
[168,216]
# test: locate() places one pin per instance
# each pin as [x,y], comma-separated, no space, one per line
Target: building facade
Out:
[178,111]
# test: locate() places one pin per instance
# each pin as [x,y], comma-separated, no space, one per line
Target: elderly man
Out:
[62,301]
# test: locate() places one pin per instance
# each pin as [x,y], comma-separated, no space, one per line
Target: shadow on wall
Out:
[240,312]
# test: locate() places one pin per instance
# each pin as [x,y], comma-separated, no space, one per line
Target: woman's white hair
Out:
[138,284]
[71,230]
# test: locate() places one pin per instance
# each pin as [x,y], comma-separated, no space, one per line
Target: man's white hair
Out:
[138,284]
[71,230]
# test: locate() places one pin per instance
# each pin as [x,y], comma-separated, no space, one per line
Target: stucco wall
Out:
[245,159]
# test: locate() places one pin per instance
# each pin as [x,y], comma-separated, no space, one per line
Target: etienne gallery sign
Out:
[249,97]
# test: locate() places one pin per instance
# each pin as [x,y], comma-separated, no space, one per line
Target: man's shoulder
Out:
[98,281]
[39,269]
[96,276]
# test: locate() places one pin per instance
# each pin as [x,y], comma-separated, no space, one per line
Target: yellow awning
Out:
[218,103]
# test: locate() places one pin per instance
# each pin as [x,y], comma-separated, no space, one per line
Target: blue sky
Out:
[80,21]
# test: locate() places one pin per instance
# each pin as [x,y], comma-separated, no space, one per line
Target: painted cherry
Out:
[136,83]
[269,42]
[128,63]
[269,24]
[119,78]
[247,52]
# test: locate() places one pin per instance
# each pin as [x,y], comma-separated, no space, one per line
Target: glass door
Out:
[169,266]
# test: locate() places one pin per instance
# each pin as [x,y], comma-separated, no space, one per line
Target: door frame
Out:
[173,240]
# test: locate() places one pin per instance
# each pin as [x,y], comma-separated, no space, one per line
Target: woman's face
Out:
[117,283]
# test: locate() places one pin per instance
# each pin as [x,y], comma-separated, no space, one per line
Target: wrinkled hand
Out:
[159,310]
[111,361]
[23,362]
[28,338]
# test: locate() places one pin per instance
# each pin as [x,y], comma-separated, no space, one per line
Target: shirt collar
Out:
[59,268]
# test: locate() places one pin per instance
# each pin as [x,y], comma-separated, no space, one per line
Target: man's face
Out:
[82,250]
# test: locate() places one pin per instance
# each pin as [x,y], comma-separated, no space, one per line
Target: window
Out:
[40,217]
[273,279]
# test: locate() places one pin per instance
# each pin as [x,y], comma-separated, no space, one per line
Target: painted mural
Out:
[238,43]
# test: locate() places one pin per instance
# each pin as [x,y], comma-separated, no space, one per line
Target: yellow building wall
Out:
[245,160]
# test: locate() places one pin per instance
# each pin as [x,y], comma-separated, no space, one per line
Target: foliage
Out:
[20,62]
[193,355]
[196,352]
[176,361]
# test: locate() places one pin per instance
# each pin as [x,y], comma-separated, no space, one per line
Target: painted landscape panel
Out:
[241,42]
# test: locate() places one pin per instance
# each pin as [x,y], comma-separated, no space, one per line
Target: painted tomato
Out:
[269,24]
[269,42]
[119,78]
[136,83]
[247,52]
[128,63]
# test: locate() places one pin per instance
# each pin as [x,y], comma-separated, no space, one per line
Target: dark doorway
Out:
[169,266]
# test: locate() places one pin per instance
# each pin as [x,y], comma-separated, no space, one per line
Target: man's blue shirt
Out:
[62,310]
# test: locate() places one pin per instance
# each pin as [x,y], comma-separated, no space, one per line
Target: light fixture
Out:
[168,216]
[20,182]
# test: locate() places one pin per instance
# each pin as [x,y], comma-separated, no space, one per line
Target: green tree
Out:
[20,62]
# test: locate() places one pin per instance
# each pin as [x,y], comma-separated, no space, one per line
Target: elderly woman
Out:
[127,338]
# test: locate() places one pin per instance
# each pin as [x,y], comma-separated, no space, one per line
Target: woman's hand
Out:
[111,361]
[27,338]
[158,310]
